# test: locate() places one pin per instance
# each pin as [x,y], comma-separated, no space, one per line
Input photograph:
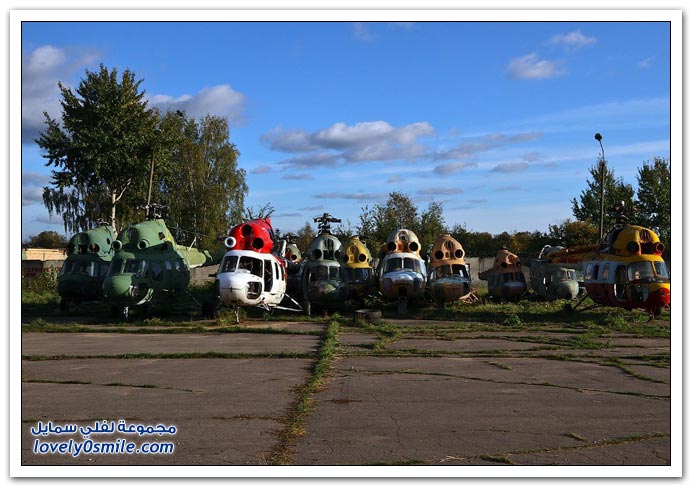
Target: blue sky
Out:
[494,119]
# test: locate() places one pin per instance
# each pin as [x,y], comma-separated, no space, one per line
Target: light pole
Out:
[598,137]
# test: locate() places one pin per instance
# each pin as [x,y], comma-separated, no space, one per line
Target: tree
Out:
[304,237]
[570,233]
[588,208]
[203,187]
[101,150]
[47,240]
[653,197]
[431,225]
[377,223]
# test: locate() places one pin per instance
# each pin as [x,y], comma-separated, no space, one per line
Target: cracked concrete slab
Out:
[363,418]
[128,343]
[227,411]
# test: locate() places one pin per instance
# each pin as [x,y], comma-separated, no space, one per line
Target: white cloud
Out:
[531,67]
[35,179]
[42,69]
[220,100]
[318,159]
[395,179]
[646,63]
[263,169]
[452,168]
[464,150]
[440,191]
[351,196]
[53,219]
[296,176]
[32,195]
[511,167]
[341,143]
[289,140]
[573,40]
[361,32]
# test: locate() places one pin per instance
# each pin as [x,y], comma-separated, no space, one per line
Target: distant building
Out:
[35,261]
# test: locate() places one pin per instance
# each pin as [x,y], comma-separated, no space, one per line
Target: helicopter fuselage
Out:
[630,282]
[402,276]
[249,278]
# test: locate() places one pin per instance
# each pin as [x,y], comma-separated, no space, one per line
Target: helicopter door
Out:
[620,282]
[268,276]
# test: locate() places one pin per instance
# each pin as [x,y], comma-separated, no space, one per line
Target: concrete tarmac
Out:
[447,398]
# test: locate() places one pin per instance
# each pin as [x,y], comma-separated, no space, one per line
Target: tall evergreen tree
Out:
[653,197]
[588,207]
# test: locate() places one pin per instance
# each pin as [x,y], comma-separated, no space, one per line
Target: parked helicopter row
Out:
[144,267]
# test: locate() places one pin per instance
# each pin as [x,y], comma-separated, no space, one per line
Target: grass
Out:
[296,421]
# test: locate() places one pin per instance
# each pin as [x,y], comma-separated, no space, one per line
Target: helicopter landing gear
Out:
[68,305]
[125,313]
[654,313]
[237,317]
[402,305]
[307,307]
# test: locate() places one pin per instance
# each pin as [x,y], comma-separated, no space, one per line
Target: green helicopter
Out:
[149,267]
[323,280]
[89,256]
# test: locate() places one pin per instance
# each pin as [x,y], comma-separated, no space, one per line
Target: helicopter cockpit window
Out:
[443,271]
[169,266]
[640,270]
[251,265]
[229,263]
[67,267]
[135,266]
[661,270]
[358,274]
[156,272]
[394,264]
[411,264]
[458,269]
[115,267]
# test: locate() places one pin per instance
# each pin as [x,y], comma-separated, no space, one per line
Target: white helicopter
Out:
[250,275]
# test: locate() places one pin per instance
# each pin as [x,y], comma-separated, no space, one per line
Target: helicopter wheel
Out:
[568,308]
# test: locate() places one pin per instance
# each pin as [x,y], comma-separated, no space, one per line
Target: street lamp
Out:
[598,137]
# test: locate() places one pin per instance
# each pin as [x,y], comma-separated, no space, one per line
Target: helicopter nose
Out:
[115,287]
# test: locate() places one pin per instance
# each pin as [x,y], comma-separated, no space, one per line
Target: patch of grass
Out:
[496,459]
[512,320]
[295,423]
[575,436]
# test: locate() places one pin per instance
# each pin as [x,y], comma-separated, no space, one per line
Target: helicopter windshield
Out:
[398,263]
[640,270]
[358,274]
[564,275]
[323,273]
[661,270]
[449,271]
[115,267]
[79,267]
[250,265]
[229,263]
[135,266]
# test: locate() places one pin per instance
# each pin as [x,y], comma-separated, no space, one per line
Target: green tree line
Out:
[103,148]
